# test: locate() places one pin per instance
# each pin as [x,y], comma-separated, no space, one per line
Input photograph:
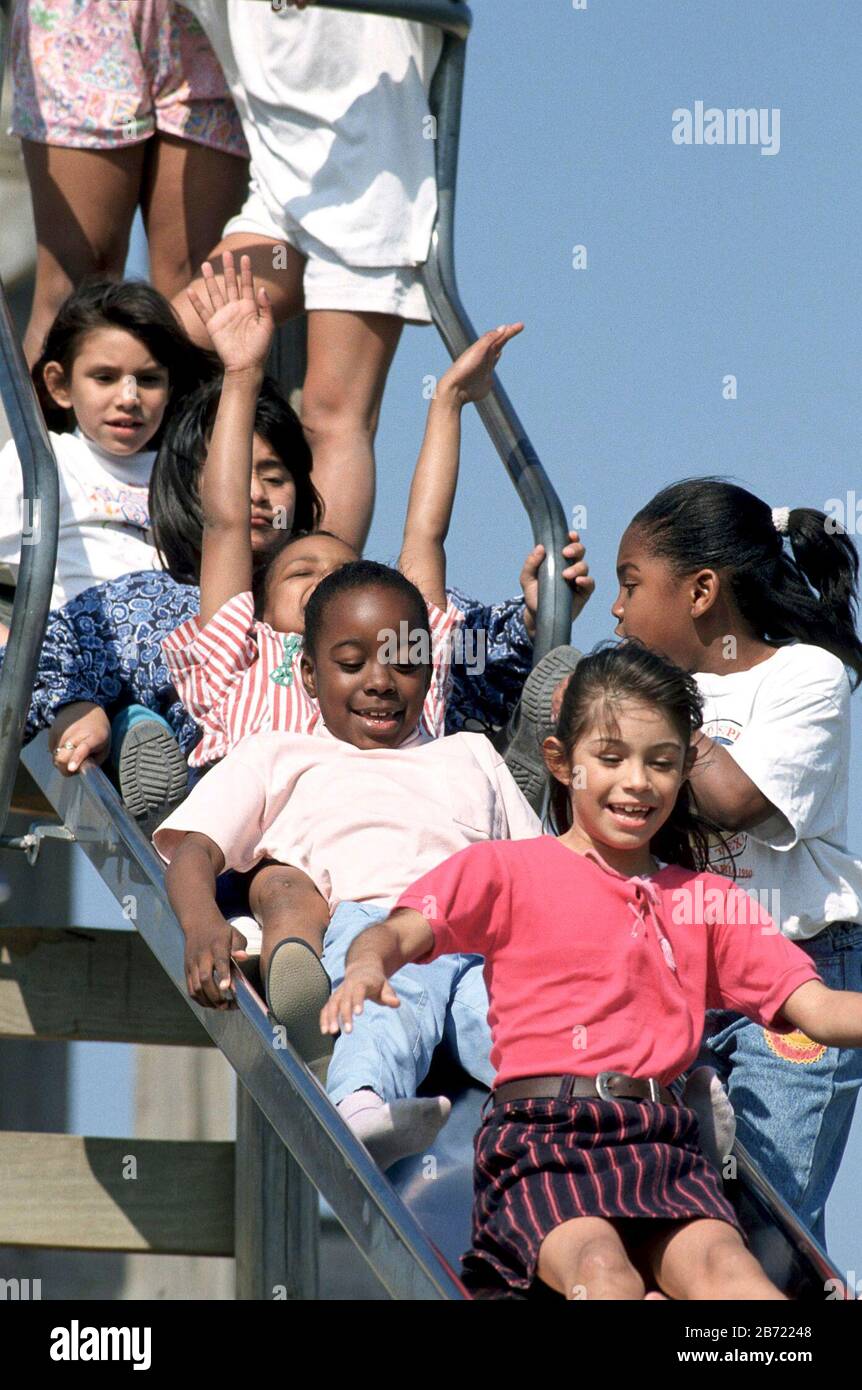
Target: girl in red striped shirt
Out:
[236,666]
[603,949]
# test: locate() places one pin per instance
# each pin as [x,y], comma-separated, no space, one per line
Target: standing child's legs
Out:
[349,356]
[180,224]
[704,1259]
[83,205]
[275,264]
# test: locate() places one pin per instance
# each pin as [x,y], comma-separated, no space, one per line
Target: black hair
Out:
[175,503]
[264,571]
[138,309]
[611,674]
[362,574]
[808,593]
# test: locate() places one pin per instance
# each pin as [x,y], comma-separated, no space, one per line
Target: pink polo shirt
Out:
[588,971]
[363,823]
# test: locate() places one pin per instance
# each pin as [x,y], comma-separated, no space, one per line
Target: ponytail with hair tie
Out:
[805,594]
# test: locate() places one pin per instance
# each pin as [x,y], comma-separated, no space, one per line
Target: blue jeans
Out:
[390,1050]
[794,1100]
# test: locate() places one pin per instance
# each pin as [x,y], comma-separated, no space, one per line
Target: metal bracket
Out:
[31,843]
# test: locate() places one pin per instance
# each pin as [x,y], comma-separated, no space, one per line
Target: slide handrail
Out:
[39,529]
[547,518]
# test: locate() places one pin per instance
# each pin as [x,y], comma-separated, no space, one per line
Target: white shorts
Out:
[328,282]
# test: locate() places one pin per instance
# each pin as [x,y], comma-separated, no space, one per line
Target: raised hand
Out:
[239,322]
[471,374]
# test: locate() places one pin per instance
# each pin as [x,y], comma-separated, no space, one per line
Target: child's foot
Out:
[297,988]
[396,1130]
[705,1095]
[533,720]
[152,775]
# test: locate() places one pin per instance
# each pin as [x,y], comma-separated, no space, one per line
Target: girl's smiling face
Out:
[116,389]
[624,775]
[364,699]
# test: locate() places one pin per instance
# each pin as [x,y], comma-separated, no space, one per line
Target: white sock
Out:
[394,1131]
[705,1095]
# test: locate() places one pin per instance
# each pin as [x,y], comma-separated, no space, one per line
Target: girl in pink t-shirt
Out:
[604,948]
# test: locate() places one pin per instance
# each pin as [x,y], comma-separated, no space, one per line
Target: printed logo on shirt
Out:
[127,506]
[795,1046]
[723,857]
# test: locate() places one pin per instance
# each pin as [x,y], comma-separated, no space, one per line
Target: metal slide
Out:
[410,1230]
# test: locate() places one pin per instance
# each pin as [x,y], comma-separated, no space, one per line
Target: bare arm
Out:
[830,1016]
[432,493]
[376,954]
[210,940]
[722,790]
[225,496]
[240,325]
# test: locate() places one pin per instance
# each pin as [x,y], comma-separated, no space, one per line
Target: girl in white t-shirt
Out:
[114,360]
[759,603]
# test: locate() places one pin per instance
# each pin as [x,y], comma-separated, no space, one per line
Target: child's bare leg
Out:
[707,1259]
[286,903]
[585,1258]
[293,918]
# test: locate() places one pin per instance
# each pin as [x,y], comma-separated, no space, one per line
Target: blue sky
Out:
[702,261]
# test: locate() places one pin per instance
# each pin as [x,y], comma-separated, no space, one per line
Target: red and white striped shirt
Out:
[237,676]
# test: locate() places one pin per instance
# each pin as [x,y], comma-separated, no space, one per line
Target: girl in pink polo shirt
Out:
[604,947]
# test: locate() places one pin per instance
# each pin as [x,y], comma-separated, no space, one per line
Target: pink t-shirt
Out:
[237,676]
[588,971]
[362,823]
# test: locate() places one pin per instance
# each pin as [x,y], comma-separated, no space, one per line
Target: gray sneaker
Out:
[532,722]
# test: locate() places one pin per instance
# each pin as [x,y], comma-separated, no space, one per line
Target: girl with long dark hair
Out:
[601,961]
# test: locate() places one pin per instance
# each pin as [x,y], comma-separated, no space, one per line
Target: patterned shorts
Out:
[99,74]
[542,1162]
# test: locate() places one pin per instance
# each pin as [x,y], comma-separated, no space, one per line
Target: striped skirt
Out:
[542,1162]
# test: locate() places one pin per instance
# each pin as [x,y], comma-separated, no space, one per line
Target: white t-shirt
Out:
[786,723]
[104,515]
[334,108]
[362,823]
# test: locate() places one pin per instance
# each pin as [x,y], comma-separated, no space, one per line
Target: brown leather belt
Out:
[608,1085]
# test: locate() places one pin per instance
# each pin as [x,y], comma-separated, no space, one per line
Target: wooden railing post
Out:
[277,1213]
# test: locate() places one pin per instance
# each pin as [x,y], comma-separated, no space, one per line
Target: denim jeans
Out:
[390,1050]
[794,1099]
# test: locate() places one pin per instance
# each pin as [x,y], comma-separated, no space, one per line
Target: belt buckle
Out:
[605,1076]
[602,1084]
